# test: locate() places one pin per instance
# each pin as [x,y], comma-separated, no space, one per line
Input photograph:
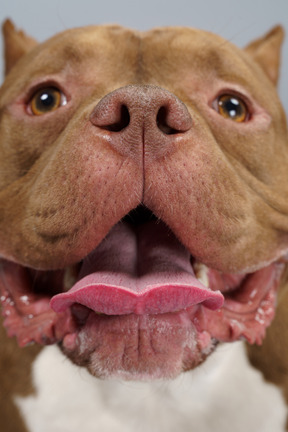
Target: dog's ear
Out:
[16,44]
[267,52]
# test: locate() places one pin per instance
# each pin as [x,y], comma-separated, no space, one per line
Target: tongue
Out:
[140,270]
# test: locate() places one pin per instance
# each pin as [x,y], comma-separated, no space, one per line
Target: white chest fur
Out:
[224,394]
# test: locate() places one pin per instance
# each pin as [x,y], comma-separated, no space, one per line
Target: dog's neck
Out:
[202,398]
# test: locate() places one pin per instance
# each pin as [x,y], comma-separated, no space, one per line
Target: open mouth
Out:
[139,273]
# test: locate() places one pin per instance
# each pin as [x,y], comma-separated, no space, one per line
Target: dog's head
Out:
[143,195]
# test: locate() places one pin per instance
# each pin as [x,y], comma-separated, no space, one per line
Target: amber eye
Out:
[233,108]
[46,100]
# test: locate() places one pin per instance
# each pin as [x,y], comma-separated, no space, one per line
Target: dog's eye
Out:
[233,108]
[46,100]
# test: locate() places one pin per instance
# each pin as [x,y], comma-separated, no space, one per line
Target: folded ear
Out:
[267,52]
[16,44]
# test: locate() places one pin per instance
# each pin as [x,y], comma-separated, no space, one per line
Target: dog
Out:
[143,231]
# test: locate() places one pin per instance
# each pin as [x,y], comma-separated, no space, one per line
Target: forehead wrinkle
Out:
[228,68]
[66,52]
[195,52]
[58,55]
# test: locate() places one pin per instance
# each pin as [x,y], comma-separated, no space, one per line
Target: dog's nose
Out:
[138,116]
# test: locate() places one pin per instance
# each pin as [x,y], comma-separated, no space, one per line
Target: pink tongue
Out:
[142,270]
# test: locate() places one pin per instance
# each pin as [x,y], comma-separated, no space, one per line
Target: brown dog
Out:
[143,220]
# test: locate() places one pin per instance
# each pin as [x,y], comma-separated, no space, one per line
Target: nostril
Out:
[110,117]
[143,111]
[121,122]
[162,121]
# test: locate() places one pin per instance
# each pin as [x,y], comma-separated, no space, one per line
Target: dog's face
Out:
[143,195]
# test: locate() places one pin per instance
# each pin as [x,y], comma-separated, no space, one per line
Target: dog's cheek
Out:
[79,180]
[23,141]
[254,152]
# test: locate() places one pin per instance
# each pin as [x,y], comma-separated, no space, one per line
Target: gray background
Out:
[237,20]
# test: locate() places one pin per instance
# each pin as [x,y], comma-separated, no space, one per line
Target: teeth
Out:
[70,277]
[201,273]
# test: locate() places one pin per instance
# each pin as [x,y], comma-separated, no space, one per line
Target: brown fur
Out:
[272,356]
[40,252]
[15,371]
[37,189]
